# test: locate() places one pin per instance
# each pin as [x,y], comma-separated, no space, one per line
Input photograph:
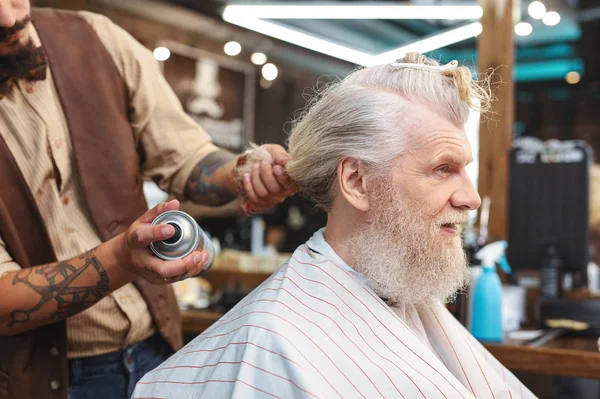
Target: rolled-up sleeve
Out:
[7,264]
[172,143]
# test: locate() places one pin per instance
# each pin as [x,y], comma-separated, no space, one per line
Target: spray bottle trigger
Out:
[503,262]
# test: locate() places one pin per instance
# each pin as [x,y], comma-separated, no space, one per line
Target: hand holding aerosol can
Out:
[184,250]
[188,237]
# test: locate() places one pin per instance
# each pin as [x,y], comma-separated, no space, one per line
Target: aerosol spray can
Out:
[187,238]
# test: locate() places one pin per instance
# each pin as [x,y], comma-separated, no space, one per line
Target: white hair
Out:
[367,116]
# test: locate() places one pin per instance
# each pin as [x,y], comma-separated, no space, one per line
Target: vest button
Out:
[55,385]
[54,351]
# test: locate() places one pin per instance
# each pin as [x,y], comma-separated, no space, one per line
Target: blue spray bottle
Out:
[487,295]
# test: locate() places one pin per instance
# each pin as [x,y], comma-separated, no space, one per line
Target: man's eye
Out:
[444,169]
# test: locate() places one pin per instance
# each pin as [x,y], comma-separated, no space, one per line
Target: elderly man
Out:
[358,312]
[85,116]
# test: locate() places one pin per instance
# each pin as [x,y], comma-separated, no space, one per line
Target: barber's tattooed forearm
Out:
[60,284]
[204,186]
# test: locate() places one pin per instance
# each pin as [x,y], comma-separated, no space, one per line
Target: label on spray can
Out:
[187,238]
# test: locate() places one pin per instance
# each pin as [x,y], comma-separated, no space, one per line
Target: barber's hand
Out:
[137,257]
[268,184]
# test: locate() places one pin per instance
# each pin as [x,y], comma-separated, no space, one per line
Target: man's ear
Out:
[352,183]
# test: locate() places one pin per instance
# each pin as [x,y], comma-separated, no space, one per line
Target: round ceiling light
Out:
[551,18]
[523,29]
[161,53]
[536,9]
[232,48]
[269,71]
[258,58]
[573,77]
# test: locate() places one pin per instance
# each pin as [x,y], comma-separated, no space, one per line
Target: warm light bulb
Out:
[523,29]
[161,53]
[232,48]
[265,84]
[573,77]
[269,71]
[258,58]
[536,9]
[551,18]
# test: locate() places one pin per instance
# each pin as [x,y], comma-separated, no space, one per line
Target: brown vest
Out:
[33,365]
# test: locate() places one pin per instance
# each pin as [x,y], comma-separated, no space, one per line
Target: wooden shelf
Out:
[568,356]
[218,279]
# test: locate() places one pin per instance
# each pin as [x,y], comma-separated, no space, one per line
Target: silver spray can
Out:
[188,237]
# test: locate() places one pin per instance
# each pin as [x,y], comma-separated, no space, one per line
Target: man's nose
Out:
[466,197]
[8,14]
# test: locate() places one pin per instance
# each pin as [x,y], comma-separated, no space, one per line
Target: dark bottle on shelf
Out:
[551,272]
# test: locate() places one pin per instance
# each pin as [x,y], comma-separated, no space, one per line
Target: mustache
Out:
[5,33]
[453,217]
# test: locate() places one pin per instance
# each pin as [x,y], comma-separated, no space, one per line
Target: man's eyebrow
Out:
[452,159]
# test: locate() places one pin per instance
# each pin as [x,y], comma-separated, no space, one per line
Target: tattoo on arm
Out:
[59,282]
[202,187]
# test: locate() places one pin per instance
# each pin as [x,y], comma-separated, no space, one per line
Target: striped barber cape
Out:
[315,330]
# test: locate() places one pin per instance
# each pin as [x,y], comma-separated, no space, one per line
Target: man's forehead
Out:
[441,139]
[425,124]
[437,134]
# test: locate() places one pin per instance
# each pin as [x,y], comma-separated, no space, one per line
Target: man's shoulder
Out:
[93,19]
[126,52]
[97,22]
[312,264]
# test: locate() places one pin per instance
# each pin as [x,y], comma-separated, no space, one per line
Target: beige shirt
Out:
[34,127]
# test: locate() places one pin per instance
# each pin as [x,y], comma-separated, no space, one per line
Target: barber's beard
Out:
[404,255]
[24,61]
[20,62]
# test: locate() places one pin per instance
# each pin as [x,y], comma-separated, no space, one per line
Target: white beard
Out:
[403,254]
